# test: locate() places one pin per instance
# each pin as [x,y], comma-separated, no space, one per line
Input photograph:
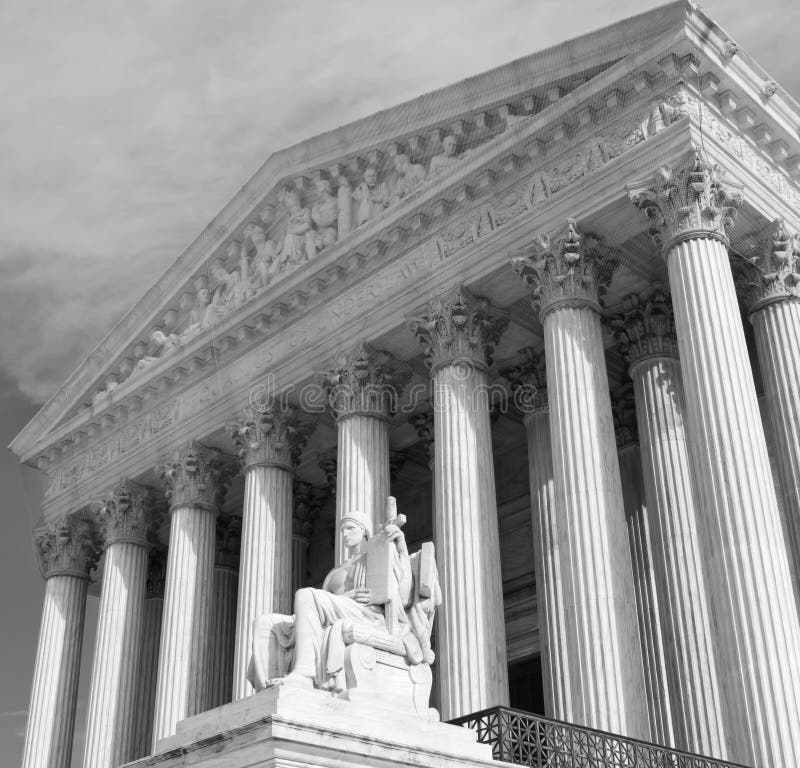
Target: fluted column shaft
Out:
[757,630]
[51,715]
[458,332]
[265,567]
[223,636]
[152,613]
[602,641]
[125,519]
[673,514]
[647,603]
[362,481]
[181,690]
[68,556]
[471,626]
[112,693]
[555,671]
[777,330]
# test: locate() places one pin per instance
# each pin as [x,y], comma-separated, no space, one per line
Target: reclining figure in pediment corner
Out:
[366,635]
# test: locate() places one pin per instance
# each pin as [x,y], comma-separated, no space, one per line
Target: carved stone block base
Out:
[375,676]
[288,726]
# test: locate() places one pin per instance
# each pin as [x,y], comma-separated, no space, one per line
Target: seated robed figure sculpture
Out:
[366,635]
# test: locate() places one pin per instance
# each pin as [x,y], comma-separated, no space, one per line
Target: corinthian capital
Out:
[689,198]
[773,273]
[528,382]
[271,436]
[646,327]
[196,475]
[366,381]
[459,327]
[127,515]
[68,547]
[567,270]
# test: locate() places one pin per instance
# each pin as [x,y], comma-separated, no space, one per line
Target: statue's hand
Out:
[393,533]
[361,595]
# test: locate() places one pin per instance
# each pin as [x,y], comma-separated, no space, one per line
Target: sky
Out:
[125,127]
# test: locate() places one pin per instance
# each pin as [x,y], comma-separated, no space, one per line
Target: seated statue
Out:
[448,159]
[367,633]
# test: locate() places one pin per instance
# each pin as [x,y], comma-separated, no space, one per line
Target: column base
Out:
[284,725]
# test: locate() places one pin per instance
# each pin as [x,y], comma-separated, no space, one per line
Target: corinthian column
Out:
[601,642]
[646,337]
[457,333]
[223,619]
[144,709]
[67,553]
[773,298]
[125,520]
[195,481]
[306,508]
[644,582]
[269,444]
[757,631]
[363,388]
[529,388]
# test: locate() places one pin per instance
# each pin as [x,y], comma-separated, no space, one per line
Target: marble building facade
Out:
[553,310]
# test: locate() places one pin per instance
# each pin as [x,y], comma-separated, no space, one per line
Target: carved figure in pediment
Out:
[367,633]
[298,242]
[196,315]
[325,215]
[448,159]
[407,176]
[265,264]
[161,344]
[222,297]
[371,196]
[344,198]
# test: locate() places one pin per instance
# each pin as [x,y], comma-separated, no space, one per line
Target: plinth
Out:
[284,725]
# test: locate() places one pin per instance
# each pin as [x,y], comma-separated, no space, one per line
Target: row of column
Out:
[608,567]
[707,568]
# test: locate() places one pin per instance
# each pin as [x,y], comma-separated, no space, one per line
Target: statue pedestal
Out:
[289,726]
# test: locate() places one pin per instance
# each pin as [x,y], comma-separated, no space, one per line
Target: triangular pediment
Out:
[305,221]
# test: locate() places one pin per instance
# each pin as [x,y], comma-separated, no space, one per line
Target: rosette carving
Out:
[687,199]
[271,436]
[569,269]
[228,542]
[459,327]
[68,547]
[645,327]
[772,273]
[365,381]
[127,514]
[528,382]
[197,475]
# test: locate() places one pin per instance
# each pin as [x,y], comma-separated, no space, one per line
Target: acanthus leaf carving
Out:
[773,272]
[689,198]
[528,382]
[127,515]
[271,435]
[197,475]
[645,327]
[69,547]
[459,327]
[570,269]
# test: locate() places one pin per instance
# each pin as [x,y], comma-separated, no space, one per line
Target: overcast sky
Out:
[125,126]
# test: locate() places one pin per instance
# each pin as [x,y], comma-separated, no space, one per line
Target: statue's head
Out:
[355,527]
[449,145]
[324,187]
[203,296]
[371,175]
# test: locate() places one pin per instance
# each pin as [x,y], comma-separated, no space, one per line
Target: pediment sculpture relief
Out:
[366,634]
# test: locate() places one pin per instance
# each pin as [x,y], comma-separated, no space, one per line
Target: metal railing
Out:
[527,739]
